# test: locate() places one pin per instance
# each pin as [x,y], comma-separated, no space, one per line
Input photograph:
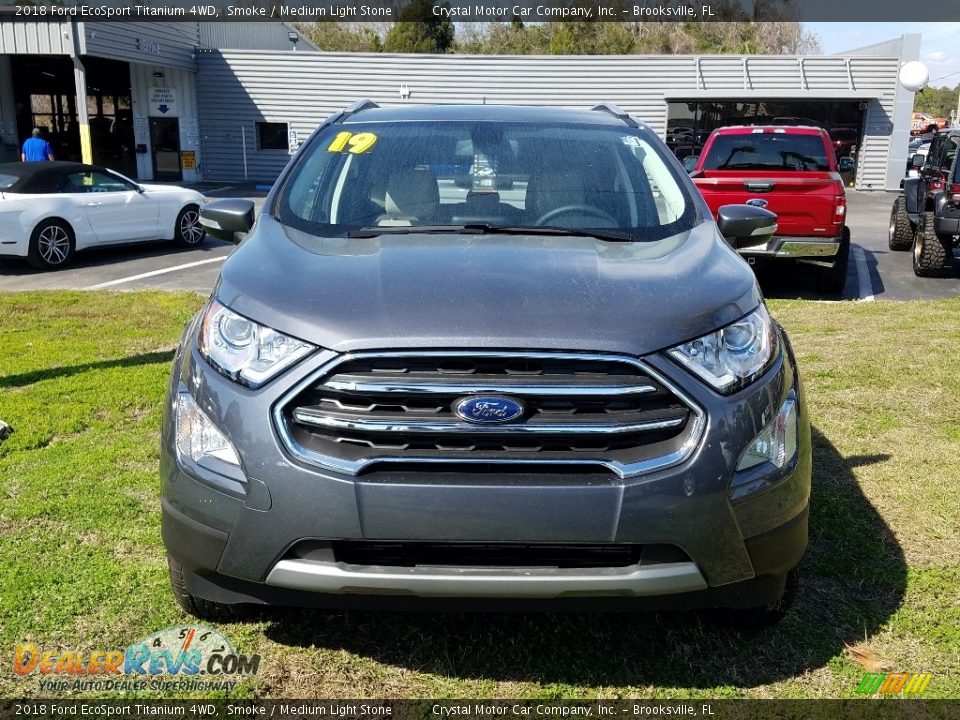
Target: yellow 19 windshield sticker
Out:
[348,142]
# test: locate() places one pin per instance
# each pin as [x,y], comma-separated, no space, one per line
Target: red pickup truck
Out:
[791,171]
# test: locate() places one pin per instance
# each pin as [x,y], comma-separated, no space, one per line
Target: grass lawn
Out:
[82,377]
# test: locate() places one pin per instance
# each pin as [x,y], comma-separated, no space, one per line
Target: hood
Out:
[488,291]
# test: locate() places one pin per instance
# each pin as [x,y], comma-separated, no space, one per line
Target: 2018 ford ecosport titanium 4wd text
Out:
[499,354]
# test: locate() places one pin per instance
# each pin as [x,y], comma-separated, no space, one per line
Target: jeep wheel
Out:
[932,257]
[833,279]
[198,607]
[901,233]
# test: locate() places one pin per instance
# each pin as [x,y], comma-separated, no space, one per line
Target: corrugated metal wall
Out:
[34,38]
[236,89]
[249,36]
[167,44]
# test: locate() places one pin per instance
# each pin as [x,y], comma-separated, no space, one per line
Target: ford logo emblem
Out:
[488,409]
[757,202]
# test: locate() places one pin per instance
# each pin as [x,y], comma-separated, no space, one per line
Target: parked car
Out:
[925,213]
[921,123]
[50,210]
[793,172]
[568,392]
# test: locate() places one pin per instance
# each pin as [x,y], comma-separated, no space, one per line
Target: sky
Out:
[939,47]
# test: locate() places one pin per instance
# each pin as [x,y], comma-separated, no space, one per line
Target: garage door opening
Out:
[689,123]
[45,97]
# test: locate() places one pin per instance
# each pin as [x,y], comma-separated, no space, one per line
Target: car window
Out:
[93,182]
[8,181]
[949,152]
[504,174]
[767,151]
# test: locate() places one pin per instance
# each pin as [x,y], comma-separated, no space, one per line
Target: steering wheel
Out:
[588,210]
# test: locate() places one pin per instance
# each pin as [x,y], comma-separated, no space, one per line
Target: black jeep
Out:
[926,214]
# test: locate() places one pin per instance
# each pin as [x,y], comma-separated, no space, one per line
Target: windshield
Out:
[767,151]
[495,174]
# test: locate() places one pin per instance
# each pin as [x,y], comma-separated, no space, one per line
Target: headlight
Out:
[246,351]
[197,437]
[734,356]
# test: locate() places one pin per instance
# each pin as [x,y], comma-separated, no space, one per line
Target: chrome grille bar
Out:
[589,388]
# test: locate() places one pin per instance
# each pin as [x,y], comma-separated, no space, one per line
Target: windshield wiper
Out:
[485,229]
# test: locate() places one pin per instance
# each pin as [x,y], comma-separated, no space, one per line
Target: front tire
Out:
[188,231]
[932,256]
[52,245]
[900,236]
[198,607]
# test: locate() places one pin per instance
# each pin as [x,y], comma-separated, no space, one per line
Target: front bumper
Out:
[236,535]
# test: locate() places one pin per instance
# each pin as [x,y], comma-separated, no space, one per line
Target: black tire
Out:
[832,280]
[932,256]
[198,607]
[52,245]
[188,231]
[900,236]
[763,616]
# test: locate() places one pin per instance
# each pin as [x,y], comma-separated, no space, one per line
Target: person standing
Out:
[36,149]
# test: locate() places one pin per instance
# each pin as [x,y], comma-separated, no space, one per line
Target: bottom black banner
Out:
[867,709]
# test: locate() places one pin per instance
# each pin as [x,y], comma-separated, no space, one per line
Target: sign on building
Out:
[163,102]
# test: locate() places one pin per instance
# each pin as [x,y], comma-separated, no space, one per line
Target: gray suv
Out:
[495,355]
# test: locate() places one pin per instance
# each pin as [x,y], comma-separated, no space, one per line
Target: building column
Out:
[80,86]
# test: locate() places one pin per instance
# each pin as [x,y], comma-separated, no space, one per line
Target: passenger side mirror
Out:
[745,224]
[690,163]
[846,164]
[222,219]
[917,161]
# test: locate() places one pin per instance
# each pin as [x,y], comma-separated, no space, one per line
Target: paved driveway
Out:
[875,271]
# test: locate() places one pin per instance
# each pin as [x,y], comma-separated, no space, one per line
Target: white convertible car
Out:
[50,210]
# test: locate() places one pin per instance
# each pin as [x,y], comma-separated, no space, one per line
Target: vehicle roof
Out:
[486,113]
[779,129]
[42,177]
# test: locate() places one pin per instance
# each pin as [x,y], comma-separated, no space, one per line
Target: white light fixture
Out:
[914,76]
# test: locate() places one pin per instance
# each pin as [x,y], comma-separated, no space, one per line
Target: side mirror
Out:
[745,224]
[690,163]
[222,219]
[917,161]
[846,164]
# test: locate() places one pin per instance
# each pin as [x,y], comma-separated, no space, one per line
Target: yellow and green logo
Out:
[894,683]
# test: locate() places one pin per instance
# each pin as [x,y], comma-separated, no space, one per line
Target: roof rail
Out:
[360,106]
[615,110]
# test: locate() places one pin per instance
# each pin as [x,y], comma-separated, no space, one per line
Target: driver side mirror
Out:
[745,224]
[917,161]
[690,163]
[846,164]
[223,219]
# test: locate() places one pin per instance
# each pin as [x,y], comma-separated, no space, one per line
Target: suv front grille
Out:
[376,409]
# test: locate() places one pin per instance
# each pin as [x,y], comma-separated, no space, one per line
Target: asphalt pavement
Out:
[875,272]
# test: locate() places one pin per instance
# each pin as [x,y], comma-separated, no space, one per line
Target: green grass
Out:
[82,377]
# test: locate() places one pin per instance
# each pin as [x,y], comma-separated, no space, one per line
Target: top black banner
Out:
[527,11]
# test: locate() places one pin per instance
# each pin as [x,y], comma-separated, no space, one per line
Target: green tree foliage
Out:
[418,30]
[937,102]
[342,37]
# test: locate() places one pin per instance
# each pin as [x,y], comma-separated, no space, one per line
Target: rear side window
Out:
[8,181]
[767,151]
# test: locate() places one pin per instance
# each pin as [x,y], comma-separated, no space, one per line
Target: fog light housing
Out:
[777,442]
[198,439]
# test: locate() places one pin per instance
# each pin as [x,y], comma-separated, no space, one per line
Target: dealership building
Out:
[184,102]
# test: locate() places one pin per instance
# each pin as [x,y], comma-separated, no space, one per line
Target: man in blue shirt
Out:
[36,149]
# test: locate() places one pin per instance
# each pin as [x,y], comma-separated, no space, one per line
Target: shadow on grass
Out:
[853,579]
[28,378]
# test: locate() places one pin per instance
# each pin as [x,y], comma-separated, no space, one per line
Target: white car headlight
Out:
[732,357]
[246,351]
[197,437]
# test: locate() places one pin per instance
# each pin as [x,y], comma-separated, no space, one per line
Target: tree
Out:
[418,30]
[334,36]
[937,102]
